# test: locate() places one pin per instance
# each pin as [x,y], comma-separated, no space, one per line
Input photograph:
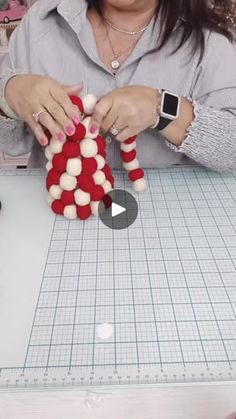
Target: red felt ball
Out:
[97,193]
[53,178]
[71,150]
[136,174]
[68,198]
[84,212]
[128,157]
[107,200]
[130,140]
[101,143]
[58,207]
[85,182]
[106,170]
[59,162]
[111,180]
[78,102]
[89,166]
[79,135]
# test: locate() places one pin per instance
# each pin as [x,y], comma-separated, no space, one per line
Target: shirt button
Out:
[108,139]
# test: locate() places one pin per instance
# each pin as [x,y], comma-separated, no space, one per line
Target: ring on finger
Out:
[114,130]
[36,115]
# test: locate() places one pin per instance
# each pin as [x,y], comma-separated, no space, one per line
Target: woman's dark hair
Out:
[193,15]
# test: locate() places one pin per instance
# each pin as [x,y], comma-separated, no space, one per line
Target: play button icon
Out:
[118,209]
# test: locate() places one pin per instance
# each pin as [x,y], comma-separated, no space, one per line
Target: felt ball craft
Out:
[78,175]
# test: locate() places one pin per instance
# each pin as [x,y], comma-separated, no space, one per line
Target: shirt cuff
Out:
[3,103]
[210,139]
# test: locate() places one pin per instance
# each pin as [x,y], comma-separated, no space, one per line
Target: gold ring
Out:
[36,115]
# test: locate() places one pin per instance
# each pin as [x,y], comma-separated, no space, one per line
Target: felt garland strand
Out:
[78,174]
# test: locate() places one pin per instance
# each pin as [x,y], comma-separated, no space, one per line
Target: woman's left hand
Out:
[130,109]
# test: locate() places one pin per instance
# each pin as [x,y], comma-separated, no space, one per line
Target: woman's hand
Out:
[130,109]
[28,94]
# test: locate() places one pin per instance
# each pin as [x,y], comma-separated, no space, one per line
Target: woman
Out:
[128,53]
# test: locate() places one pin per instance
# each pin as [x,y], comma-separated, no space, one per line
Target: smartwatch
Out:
[169,109]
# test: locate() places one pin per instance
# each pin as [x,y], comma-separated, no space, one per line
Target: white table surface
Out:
[200,402]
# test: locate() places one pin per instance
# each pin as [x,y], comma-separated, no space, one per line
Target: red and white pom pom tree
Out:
[78,175]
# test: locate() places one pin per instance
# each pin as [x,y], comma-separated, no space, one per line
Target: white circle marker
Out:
[105,331]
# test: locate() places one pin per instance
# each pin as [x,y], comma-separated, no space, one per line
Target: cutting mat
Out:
[166,285]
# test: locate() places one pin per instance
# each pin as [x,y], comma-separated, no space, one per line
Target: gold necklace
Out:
[124,31]
[115,63]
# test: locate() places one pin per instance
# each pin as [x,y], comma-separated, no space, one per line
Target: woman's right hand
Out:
[27,94]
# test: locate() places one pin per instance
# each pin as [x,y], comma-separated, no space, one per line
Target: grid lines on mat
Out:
[167,284]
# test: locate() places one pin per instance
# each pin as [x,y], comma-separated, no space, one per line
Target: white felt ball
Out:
[107,186]
[88,148]
[49,166]
[82,198]
[48,153]
[86,123]
[94,207]
[67,182]
[70,212]
[128,147]
[140,185]
[49,200]
[100,161]
[89,102]
[99,177]
[56,146]
[132,165]
[74,167]
[55,191]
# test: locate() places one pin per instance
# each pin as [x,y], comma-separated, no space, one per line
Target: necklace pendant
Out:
[115,64]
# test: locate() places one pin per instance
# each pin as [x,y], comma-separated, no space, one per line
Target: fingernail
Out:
[93,129]
[70,130]
[75,120]
[43,141]
[60,136]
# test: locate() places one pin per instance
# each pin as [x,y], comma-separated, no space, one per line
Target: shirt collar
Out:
[69,7]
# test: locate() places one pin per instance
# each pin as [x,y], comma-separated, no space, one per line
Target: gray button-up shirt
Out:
[55,39]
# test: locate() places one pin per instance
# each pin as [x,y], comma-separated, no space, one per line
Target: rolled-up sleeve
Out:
[15,136]
[211,139]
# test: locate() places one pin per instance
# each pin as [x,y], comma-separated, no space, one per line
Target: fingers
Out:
[61,98]
[125,134]
[39,133]
[101,110]
[61,114]
[55,129]
[61,121]
[73,90]
[108,121]
[29,94]
[122,124]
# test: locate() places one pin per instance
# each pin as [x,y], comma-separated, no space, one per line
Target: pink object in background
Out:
[15,11]
[233,416]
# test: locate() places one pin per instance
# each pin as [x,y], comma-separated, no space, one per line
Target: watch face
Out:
[170,104]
